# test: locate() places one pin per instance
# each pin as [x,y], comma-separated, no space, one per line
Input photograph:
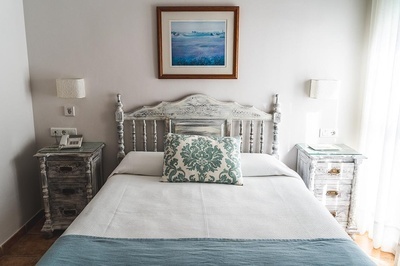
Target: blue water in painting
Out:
[198,49]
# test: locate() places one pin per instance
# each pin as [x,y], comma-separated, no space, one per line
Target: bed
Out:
[212,192]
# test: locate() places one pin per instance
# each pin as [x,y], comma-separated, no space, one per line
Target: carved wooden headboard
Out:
[200,115]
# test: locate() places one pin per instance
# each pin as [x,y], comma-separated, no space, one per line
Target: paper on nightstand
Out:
[324,147]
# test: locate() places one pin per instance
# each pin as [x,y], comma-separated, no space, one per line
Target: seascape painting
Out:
[198,43]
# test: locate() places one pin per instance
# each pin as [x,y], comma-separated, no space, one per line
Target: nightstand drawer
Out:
[340,212]
[61,211]
[334,170]
[333,193]
[67,191]
[66,169]
[322,181]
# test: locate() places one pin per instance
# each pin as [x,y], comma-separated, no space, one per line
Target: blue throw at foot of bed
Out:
[86,250]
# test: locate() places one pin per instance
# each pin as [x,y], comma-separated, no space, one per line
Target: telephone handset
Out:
[70,141]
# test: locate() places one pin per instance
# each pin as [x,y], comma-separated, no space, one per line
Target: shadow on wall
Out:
[28,182]
[290,158]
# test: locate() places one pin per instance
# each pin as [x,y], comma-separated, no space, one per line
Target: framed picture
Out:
[198,42]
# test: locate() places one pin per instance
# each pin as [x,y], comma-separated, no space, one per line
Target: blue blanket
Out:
[86,250]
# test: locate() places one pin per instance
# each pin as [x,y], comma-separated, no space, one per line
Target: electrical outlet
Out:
[328,133]
[59,131]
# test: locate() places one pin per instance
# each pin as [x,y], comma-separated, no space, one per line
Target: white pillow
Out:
[141,163]
[261,164]
[151,164]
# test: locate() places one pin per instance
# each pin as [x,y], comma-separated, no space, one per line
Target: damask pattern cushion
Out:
[190,158]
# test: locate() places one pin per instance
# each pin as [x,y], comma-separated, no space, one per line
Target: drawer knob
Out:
[69,213]
[65,169]
[334,171]
[68,191]
[332,193]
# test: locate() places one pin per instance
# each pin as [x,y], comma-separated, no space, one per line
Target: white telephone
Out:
[70,142]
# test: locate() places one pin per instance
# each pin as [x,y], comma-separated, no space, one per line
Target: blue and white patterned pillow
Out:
[191,158]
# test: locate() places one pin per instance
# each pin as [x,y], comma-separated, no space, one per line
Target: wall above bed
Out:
[113,45]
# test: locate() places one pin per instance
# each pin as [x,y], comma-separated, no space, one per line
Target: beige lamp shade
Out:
[327,89]
[70,88]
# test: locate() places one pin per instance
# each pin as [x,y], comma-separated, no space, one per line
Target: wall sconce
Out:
[71,88]
[325,89]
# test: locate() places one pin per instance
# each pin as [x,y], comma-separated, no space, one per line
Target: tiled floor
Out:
[30,248]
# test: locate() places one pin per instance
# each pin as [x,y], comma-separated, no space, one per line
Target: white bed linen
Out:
[270,207]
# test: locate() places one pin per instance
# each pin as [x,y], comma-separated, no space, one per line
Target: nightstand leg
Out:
[88,174]
[47,230]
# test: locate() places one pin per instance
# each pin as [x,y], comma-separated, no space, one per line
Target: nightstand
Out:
[331,175]
[70,178]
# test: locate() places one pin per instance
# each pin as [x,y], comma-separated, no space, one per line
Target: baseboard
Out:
[21,232]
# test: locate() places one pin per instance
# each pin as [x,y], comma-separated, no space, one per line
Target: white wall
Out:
[112,44]
[19,181]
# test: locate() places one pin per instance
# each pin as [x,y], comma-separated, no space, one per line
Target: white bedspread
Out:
[269,207]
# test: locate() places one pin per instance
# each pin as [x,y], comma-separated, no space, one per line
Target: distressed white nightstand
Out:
[70,178]
[331,175]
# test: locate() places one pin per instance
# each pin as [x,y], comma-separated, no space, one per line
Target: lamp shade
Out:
[70,88]
[326,89]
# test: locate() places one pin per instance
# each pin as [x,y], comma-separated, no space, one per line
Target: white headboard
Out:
[200,115]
